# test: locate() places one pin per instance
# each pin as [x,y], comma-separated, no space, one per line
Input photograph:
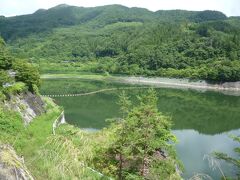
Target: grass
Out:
[68,155]
[76,75]
[11,125]
[33,137]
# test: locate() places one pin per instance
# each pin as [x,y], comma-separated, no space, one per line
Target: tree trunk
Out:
[120,167]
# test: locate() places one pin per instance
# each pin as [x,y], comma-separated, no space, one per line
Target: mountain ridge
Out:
[117,5]
[64,15]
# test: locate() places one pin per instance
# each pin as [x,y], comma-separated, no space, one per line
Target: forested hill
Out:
[65,16]
[136,41]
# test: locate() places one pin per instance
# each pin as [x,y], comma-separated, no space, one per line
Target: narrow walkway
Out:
[95,92]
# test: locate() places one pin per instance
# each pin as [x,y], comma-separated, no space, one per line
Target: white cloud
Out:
[16,7]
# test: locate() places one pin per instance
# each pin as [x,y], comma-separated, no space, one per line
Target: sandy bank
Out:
[232,88]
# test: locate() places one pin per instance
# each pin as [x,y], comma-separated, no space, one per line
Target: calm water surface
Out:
[201,121]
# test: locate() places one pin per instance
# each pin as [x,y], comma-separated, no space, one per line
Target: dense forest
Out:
[120,40]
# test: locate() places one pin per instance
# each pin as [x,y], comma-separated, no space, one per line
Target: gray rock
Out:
[27,104]
[12,167]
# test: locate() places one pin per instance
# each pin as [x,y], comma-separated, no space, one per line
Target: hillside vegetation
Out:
[16,76]
[135,41]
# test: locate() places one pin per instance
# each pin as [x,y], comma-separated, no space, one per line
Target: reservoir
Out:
[202,120]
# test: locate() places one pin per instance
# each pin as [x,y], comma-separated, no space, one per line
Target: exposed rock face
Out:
[12,166]
[27,104]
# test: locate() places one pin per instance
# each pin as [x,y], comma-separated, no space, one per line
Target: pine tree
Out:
[143,144]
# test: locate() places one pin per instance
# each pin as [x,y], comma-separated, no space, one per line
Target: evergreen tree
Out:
[143,143]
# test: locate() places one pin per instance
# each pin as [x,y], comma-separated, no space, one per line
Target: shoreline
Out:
[184,83]
[231,88]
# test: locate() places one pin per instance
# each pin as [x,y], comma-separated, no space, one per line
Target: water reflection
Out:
[207,113]
[192,148]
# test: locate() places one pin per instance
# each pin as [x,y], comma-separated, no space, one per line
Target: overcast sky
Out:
[18,7]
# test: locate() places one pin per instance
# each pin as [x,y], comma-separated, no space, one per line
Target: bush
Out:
[4,78]
[5,59]
[106,73]
[10,125]
[16,88]
[2,96]
[28,74]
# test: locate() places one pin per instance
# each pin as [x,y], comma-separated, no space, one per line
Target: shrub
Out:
[16,88]
[10,125]
[28,74]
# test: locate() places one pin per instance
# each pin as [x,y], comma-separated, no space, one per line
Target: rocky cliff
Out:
[12,166]
[27,104]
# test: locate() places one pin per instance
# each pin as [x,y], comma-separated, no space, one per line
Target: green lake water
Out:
[201,120]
